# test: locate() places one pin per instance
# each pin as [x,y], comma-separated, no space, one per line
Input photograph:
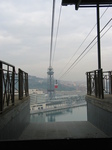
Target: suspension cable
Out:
[84,50]
[52,28]
[83,42]
[57,32]
[90,48]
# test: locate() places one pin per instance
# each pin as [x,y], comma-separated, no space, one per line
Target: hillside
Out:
[41,84]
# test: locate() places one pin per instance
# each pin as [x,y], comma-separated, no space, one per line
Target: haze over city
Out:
[25,29]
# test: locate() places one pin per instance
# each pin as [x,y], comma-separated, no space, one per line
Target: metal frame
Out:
[99,83]
[95,83]
[87,3]
[107,82]
[23,84]
[8,87]
[7,82]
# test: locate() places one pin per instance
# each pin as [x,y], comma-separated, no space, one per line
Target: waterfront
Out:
[69,114]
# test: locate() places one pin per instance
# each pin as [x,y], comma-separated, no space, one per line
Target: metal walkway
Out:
[61,130]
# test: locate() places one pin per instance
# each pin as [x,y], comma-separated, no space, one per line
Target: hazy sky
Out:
[25,28]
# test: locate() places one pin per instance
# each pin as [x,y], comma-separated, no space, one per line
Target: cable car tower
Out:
[50,72]
[50,83]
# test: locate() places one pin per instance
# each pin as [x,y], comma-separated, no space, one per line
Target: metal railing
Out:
[7,76]
[11,85]
[99,83]
[23,84]
[107,82]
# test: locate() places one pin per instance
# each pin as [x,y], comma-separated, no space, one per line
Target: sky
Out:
[25,34]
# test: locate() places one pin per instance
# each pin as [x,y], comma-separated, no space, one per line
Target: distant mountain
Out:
[41,84]
[37,83]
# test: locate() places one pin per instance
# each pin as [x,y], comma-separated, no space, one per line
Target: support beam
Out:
[98,37]
[77,5]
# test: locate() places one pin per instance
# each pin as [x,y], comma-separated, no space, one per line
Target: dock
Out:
[57,108]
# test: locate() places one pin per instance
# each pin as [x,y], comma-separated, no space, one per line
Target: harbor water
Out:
[69,114]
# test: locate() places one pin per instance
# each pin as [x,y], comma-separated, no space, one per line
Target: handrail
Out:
[3,62]
[94,71]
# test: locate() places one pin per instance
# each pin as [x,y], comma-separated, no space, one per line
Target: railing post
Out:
[102,88]
[90,90]
[87,83]
[1,88]
[8,86]
[110,82]
[20,88]
[26,84]
[13,86]
[99,83]
[95,79]
[100,78]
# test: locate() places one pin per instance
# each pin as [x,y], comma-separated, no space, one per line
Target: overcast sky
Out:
[25,28]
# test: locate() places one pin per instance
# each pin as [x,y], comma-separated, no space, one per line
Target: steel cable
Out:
[85,49]
[52,28]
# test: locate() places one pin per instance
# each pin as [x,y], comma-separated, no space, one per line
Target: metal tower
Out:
[50,83]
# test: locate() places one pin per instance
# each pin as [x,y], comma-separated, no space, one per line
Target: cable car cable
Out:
[57,32]
[85,49]
[52,28]
[91,47]
[83,41]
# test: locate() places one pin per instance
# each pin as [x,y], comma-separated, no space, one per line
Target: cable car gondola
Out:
[56,85]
